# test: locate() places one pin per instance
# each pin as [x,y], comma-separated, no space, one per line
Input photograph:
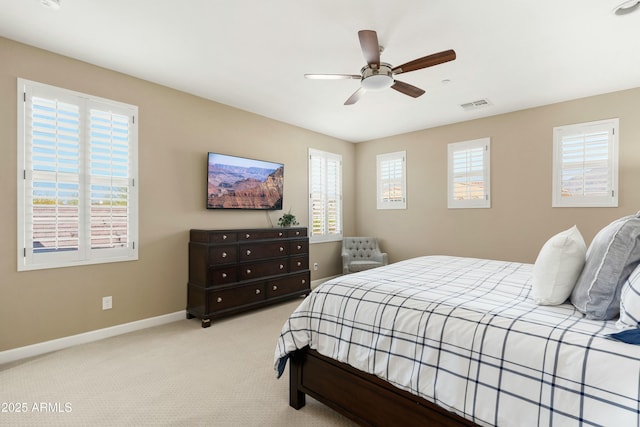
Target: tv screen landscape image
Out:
[242,183]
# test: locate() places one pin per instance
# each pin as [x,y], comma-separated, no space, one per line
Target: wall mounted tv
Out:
[242,183]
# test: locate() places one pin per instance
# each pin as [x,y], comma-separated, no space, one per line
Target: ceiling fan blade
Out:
[332,76]
[407,89]
[370,47]
[355,97]
[426,61]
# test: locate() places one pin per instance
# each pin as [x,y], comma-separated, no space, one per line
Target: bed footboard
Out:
[364,398]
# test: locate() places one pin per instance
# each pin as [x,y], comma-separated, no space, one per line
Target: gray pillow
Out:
[612,256]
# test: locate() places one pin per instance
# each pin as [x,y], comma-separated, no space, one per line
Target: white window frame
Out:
[325,191]
[576,138]
[391,180]
[95,177]
[469,148]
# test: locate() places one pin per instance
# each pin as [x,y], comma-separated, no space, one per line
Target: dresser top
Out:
[246,234]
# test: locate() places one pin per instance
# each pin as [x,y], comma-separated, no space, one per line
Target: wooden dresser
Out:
[236,270]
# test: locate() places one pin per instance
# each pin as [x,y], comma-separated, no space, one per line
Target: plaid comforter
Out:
[465,333]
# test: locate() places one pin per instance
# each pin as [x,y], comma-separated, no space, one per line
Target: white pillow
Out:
[558,267]
[630,301]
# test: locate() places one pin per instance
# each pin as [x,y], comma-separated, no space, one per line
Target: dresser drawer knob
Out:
[299,247]
[248,252]
[280,234]
[281,249]
[219,299]
[304,281]
[297,233]
[281,267]
[224,254]
[257,291]
[275,287]
[248,271]
[247,235]
[224,237]
[299,263]
[224,275]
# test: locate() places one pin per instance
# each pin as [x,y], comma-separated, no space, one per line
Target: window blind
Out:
[325,196]
[469,174]
[585,164]
[391,168]
[77,199]
[109,171]
[53,200]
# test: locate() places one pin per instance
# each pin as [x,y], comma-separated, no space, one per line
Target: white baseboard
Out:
[61,343]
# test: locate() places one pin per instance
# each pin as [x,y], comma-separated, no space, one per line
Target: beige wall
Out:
[521,218]
[175,132]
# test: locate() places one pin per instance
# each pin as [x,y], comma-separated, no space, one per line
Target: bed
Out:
[443,340]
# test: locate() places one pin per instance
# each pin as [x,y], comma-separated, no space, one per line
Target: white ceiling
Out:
[252,54]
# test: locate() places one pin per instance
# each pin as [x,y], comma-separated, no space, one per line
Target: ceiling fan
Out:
[378,75]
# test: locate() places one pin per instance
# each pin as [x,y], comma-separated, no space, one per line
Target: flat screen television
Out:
[242,183]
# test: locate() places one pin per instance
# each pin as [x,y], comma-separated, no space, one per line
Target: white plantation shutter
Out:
[77,163]
[334,195]
[325,196]
[469,174]
[585,170]
[109,182]
[391,171]
[52,177]
[468,171]
[317,170]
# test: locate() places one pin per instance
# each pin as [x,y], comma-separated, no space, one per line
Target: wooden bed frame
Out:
[362,397]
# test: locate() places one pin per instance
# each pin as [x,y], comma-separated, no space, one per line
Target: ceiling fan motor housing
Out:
[377,78]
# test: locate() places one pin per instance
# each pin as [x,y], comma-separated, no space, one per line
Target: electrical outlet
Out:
[107,303]
[315,266]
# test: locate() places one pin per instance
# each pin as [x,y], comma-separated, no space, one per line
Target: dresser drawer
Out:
[296,232]
[288,285]
[213,236]
[223,254]
[299,247]
[236,296]
[261,234]
[298,263]
[254,270]
[222,276]
[252,251]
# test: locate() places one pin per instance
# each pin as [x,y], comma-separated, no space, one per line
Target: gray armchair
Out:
[361,253]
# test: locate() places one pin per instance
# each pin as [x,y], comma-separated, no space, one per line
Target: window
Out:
[392,182]
[325,196]
[585,164]
[469,183]
[77,178]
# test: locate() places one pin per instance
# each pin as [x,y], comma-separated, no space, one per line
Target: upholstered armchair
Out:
[361,253]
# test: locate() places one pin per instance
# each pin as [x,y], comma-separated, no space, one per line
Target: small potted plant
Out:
[287,220]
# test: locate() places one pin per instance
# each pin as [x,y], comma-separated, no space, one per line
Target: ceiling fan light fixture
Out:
[377,82]
[626,7]
[377,78]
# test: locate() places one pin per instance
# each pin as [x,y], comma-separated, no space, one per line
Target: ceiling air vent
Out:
[481,103]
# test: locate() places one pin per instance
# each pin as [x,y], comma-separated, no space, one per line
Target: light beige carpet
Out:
[177,374]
